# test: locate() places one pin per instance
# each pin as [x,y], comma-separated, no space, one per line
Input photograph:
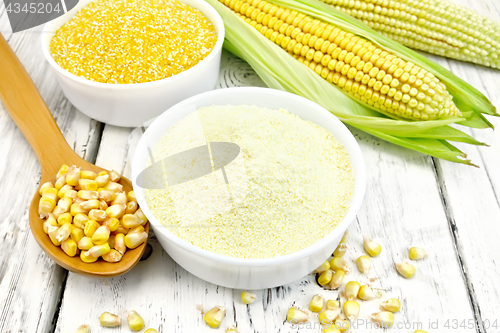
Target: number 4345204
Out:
[33,8]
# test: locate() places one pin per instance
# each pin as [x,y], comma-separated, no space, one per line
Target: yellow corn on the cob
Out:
[363,70]
[434,26]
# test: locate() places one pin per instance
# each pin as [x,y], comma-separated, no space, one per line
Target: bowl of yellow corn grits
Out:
[229,270]
[125,79]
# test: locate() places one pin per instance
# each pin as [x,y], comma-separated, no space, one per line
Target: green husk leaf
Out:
[281,71]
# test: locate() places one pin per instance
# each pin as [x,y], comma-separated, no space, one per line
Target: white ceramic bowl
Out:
[250,273]
[133,104]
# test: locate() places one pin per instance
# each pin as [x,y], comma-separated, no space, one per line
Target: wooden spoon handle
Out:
[31,115]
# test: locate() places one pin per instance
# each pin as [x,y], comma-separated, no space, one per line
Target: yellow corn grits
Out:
[133,41]
[290,186]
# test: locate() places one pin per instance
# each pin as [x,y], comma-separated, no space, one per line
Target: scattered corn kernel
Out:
[295,316]
[328,316]
[352,289]
[248,297]
[342,324]
[364,264]
[324,267]
[338,263]
[232,329]
[405,269]
[337,279]
[325,277]
[214,316]
[417,253]
[332,304]
[366,293]
[109,320]
[385,319]
[340,250]
[316,304]
[371,247]
[351,310]
[392,304]
[150,330]
[83,329]
[135,321]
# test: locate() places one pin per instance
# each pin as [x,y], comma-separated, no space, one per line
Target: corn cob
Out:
[366,72]
[434,26]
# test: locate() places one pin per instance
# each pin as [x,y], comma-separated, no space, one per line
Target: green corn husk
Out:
[281,71]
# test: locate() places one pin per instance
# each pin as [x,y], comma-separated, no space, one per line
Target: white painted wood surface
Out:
[451,210]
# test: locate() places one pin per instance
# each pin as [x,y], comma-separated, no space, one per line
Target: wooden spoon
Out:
[31,115]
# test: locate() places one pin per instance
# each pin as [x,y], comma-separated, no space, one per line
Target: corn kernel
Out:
[60,182]
[351,310]
[342,325]
[295,316]
[87,259]
[62,192]
[150,330]
[98,215]
[45,206]
[112,256]
[76,209]
[135,321]
[87,174]
[340,250]
[337,279]
[120,198]
[139,229]
[87,184]
[69,247]
[214,317]
[317,303]
[90,227]
[76,234]
[139,213]
[417,253]
[109,320]
[330,329]
[232,329]
[120,243]
[102,180]
[64,232]
[50,192]
[83,329]
[112,224]
[366,293]
[324,267]
[97,250]
[116,211]
[107,195]
[328,316]
[52,232]
[90,204]
[115,187]
[248,297]
[364,264]
[133,240]
[131,207]
[64,218]
[332,304]
[352,289]
[44,186]
[392,304]
[337,264]
[72,194]
[407,270]
[420,331]
[130,221]
[385,319]
[131,196]
[101,235]
[79,220]
[85,243]
[325,277]
[73,175]
[371,247]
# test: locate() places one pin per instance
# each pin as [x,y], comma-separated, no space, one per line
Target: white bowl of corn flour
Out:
[248,187]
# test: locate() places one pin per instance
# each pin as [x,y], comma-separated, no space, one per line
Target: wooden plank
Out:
[402,208]
[30,283]
[472,196]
